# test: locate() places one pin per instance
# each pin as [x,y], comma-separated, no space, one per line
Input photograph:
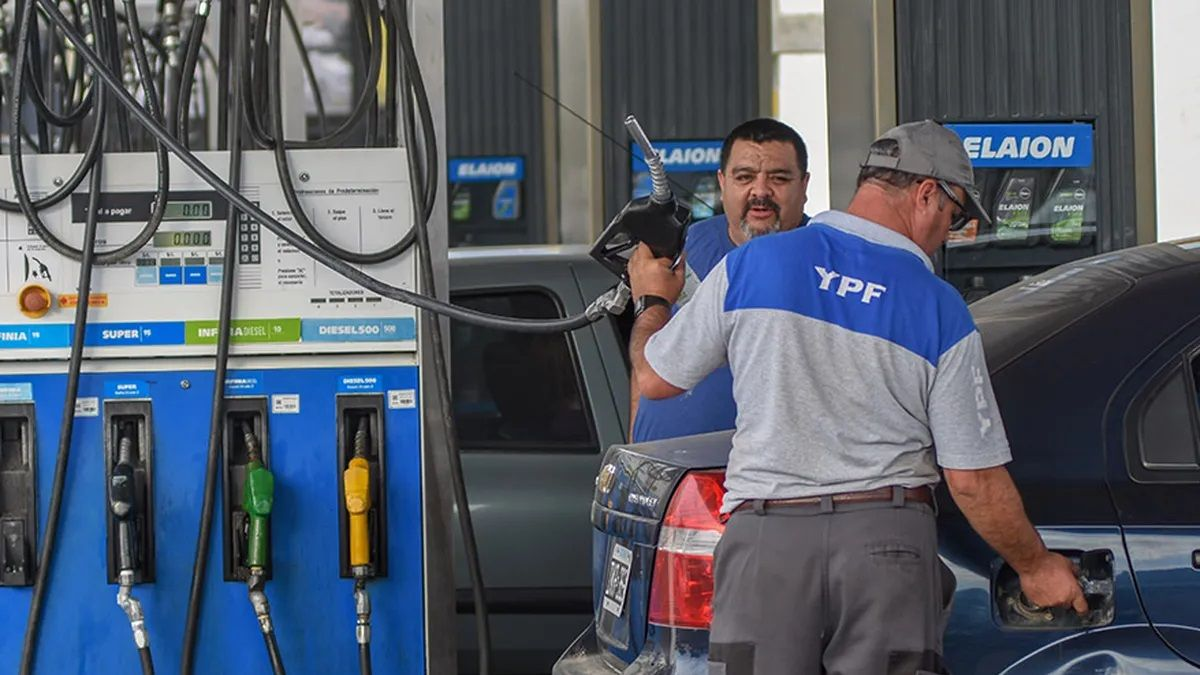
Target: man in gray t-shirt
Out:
[857,373]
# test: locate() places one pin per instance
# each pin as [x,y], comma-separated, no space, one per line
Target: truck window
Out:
[517,391]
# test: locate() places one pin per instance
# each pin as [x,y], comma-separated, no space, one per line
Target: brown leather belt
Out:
[884,494]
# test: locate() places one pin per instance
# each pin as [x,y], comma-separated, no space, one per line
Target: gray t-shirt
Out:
[854,366]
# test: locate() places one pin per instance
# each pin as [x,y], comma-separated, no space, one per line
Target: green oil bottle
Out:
[1014,209]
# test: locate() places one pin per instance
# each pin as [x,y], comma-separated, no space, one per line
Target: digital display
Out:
[195,210]
[192,239]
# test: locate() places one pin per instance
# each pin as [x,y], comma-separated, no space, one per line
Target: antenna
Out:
[688,193]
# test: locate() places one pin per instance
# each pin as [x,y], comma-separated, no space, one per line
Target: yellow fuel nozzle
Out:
[357,485]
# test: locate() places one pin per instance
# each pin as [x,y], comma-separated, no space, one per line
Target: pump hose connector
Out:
[258,599]
[362,607]
[660,190]
[255,585]
[133,609]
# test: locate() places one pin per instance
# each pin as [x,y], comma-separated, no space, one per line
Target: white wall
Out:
[800,101]
[1176,117]
[800,86]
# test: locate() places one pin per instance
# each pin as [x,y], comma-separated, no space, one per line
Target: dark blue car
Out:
[1096,366]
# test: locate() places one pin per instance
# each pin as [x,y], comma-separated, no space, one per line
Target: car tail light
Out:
[681,589]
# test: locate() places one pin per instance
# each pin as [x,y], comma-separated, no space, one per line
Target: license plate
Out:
[616,585]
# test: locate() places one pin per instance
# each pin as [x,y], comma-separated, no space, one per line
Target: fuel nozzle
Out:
[659,220]
[122,501]
[258,496]
[356,480]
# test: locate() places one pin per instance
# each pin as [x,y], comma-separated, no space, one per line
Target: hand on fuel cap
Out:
[1054,582]
[653,276]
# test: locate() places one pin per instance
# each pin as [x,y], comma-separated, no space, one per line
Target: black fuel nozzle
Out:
[658,220]
[122,499]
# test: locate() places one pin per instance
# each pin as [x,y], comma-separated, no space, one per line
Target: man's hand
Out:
[653,276]
[1052,582]
[991,503]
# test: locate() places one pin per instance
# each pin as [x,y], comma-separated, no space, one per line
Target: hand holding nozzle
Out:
[660,221]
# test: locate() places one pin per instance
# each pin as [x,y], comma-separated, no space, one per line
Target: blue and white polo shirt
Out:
[854,366]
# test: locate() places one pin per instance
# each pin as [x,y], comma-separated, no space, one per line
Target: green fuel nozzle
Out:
[258,496]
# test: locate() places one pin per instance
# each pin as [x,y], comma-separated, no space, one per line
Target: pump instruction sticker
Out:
[285,404]
[402,399]
[87,407]
[16,391]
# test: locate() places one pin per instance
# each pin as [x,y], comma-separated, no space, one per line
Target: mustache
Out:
[765,202]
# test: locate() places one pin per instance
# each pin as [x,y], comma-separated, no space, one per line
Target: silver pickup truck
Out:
[534,413]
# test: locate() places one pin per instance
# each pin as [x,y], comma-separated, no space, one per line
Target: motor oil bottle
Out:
[1013,210]
[1069,211]
[460,205]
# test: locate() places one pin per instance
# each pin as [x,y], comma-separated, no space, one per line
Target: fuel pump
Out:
[305,300]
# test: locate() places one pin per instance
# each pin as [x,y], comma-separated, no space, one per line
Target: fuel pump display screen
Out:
[164,300]
[188,211]
[191,239]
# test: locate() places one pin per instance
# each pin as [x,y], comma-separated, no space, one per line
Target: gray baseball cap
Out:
[927,148]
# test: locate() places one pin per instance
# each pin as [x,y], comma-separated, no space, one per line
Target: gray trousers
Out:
[853,589]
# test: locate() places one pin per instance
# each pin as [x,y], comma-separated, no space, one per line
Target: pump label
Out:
[359,384]
[16,391]
[49,335]
[244,331]
[244,384]
[1026,145]
[126,389]
[125,334]
[357,330]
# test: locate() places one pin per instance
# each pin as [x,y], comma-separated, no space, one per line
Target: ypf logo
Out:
[850,285]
